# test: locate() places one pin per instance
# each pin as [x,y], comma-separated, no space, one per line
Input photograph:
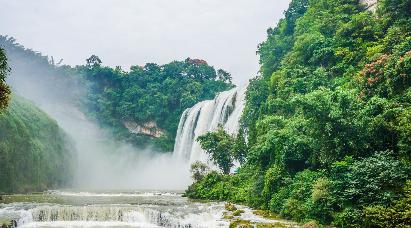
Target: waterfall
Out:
[51,213]
[225,110]
[119,216]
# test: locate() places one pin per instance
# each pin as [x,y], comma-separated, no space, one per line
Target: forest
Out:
[327,120]
[325,135]
[36,155]
[150,93]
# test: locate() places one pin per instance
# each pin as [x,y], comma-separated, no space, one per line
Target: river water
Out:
[65,208]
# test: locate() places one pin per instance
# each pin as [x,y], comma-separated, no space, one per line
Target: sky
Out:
[123,33]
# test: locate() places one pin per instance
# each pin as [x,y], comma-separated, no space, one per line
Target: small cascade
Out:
[52,213]
[226,110]
[118,209]
[141,216]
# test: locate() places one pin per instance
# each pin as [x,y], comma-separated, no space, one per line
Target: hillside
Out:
[328,119]
[34,152]
[141,106]
[4,89]
[148,100]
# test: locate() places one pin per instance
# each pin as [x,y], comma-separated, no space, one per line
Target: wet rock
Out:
[230,207]
[238,212]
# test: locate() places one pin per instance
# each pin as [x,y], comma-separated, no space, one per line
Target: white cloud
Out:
[132,32]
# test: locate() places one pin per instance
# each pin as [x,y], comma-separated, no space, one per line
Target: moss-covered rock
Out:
[238,212]
[311,224]
[241,224]
[230,207]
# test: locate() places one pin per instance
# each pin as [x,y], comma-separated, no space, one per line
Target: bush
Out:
[374,180]
[349,217]
[397,214]
[198,170]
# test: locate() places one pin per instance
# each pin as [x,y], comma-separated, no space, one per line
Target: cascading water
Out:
[77,209]
[111,209]
[135,216]
[224,110]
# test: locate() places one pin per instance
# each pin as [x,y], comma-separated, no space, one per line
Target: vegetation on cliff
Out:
[4,89]
[35,154]
[151,95]
[328,120]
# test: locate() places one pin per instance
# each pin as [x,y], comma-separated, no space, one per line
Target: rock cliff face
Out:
[148,129]
[371,4]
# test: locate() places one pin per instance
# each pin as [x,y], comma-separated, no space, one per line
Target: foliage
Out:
[328,119]
[373,180]
[154,95]
[398,214]
[210,187]
[198,170]
[4,89]
[223,148]
[219,146]
[149,93]
[34,152]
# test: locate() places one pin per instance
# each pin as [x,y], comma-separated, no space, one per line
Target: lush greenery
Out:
[223,148]
[328,120]
[150,93]
[4,89]
[34,152]
[153,95]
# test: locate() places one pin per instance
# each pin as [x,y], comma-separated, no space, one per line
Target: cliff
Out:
[149,129]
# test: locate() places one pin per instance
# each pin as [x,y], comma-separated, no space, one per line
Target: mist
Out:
[126,33]
[102,162]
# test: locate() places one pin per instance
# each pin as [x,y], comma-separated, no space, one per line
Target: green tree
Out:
[153,95]
[397,214]
[149,94]
[334,91]
[93,61]
[199,170]
[219,145]
[4,89]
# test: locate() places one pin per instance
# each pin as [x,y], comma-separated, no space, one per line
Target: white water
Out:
[113,209]
[226,110]
[71,208]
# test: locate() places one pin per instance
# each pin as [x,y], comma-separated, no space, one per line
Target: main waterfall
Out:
[225,110]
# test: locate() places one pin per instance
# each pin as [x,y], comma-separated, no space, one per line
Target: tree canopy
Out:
[4,89]
[152,95]
[327,121]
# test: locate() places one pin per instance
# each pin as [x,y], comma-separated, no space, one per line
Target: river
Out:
[75,208]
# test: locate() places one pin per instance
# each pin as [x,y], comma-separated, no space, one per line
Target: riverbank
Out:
[243,216]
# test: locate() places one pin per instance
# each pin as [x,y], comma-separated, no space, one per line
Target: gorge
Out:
[320,135]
